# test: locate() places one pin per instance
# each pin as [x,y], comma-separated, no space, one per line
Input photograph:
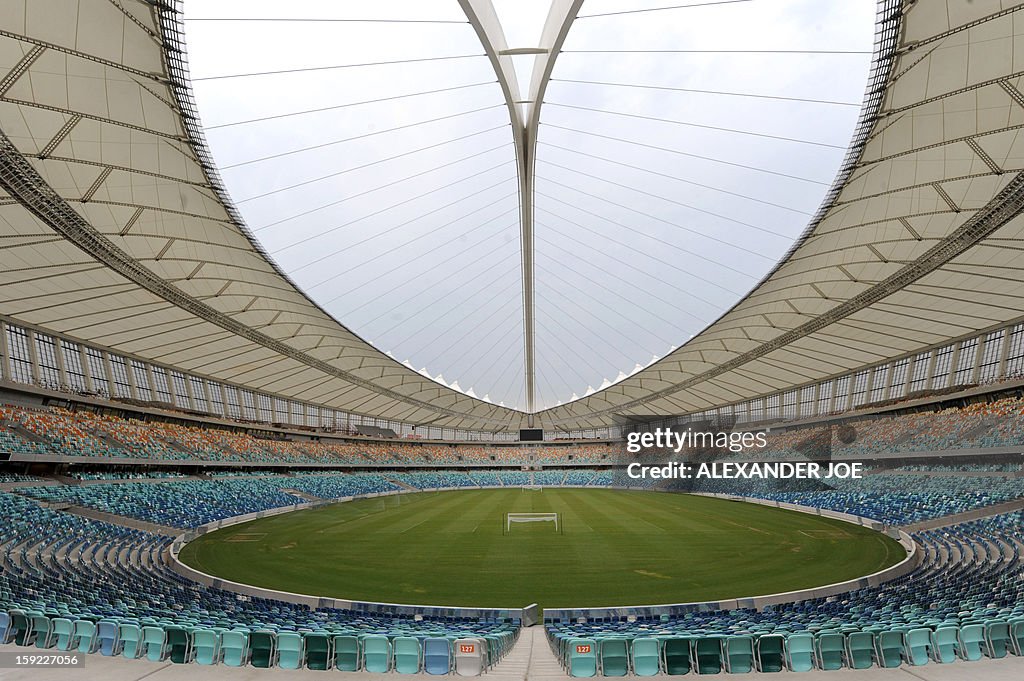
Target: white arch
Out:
[524,115]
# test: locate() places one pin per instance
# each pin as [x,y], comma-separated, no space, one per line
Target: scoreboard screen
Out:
[531,435]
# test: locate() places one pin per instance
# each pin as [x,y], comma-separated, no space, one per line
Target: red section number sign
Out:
[583,650]
[467,648]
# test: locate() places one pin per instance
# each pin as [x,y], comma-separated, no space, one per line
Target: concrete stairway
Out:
[530,660]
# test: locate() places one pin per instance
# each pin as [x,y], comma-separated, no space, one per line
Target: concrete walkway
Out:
[974,514]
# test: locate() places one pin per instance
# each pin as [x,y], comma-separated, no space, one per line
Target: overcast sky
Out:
[400,216]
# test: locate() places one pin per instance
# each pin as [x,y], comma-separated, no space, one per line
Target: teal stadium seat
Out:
[131,639]
[918,646]
[63,632]
[829,649]
[407,655]
[582,657]
[206,646]
[319,652]
[179,644]
[1017,636]
[290,650]
[800,652]
[889,648]
[614,656]
[376,654]
[771,653]
[677,655]
[739,654]
[860,650]
[42,629]
[85,636]
[262,649]
[944,644]
[234,647]
[997,639]
[154,642]
[646,656]
[347,653]
[21,628]
[971,642]
[707,654]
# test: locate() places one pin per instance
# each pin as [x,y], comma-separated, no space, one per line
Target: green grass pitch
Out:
[617,548]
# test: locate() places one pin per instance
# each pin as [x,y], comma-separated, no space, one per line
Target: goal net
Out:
[532,488]
[511,518]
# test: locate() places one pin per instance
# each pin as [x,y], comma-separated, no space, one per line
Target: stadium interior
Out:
[167,383]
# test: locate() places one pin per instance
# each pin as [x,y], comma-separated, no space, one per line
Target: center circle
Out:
[612,547]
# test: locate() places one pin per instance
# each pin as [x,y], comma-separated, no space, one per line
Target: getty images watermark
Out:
[705,449]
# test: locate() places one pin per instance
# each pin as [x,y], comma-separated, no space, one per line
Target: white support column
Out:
[979,352]
[5,352]
[33,355]
[930,373]
[62,371]
[111,388]
[1004,354]
[83,359]
[888,380]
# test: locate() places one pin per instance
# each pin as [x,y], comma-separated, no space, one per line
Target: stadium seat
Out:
[944,644]
[376,654]
[206,646]
[130,636]
[290,650]
[347,653]
[889,648]
[319,651]
[42,628]
[829,649]
[470,656]
[739,654]
[918,644]
[860,650]
[407,654]
[582,657]
[1017,636]
[234,646]
[771,653]
[6,632]
[677,655]
[179,644]
[997,639]
[646,656]
[614,656]
[971,642]
[154,642]
[437,656]
[84,636]
[800,652]
[108,637]
[262,649]
[63,632]
[21,628]
[707,654]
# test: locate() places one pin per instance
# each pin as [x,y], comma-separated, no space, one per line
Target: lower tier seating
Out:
[964,602]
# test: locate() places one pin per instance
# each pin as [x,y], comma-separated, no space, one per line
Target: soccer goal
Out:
[511,518]
[532,488]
